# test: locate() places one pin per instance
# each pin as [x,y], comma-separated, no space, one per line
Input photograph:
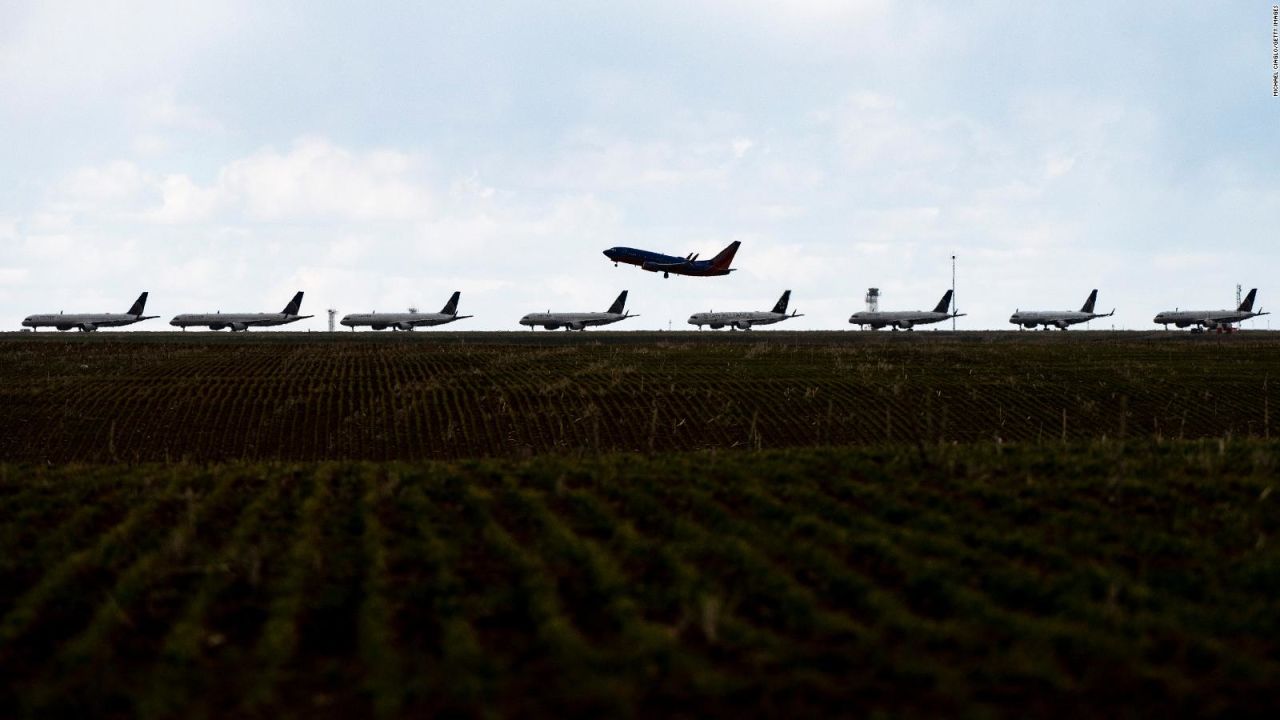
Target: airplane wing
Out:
[1225,317]
[420,323]
[667,267]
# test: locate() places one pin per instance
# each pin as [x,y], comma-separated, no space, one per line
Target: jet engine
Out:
[552,326]
[1061,324]
[1182,323]
[238,327]
[404,326]
[716,326]
[575,326]
[216,326]
[905,324]
[876,326]
[378,327]
[88,327]
[1029,326]
[64,328]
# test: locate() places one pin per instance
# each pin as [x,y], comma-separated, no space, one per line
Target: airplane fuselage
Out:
[571,321]
[234,321]
[84,322]
[736,320]
[897,319]
[665,264]
[1060,319]
[1204,318]
[398,321]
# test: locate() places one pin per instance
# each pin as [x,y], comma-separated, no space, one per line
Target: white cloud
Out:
[84,51]
[315,181]
[318,180]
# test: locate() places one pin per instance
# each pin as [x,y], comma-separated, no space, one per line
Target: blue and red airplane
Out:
[667,264]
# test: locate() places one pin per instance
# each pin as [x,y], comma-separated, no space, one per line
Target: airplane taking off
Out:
[744,320]
[88,322]
[905,319]
[409,320]
[1060,319]
[1220,320]
[667,264]
[579,321]
[243,321]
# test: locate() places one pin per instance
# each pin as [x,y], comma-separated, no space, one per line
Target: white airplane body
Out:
[1061,319]
[406,321]
[579,321]
[745,320]
[1211,319]
[89,322]
[237,322]
[905,319]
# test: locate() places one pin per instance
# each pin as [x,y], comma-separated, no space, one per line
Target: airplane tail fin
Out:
[781,307]
[944,303]
[451,307]
[616,307]
[1088,304]
[294,305]
[724,258]
[138,305]
[1247,305]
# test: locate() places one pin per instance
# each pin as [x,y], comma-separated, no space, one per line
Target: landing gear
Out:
[666,275]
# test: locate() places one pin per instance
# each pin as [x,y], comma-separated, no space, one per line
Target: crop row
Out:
[165,401]
[1029,579]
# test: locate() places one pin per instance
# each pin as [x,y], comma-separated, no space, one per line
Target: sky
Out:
[381,155]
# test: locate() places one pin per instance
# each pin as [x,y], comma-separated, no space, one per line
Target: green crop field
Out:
[638,524]
[1115,579]
[135,397]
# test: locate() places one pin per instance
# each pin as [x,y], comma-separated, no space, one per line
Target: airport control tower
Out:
[873,299]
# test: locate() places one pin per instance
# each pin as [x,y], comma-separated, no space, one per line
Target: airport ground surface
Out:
[760,524]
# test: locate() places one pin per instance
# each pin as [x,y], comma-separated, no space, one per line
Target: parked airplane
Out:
[88,322]
[905,319]
[745,320]
[1211,319]
[243,321]
[1060,319]
[667,264]
[409,320]
[579,321]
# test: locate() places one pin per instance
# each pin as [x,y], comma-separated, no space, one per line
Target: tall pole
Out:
[954,304]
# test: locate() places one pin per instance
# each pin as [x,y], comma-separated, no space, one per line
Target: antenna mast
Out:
[954,305]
